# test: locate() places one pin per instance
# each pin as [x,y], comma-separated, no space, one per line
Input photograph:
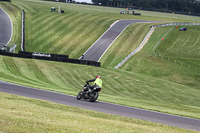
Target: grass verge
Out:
[169,59]
[119,86]
[20,114]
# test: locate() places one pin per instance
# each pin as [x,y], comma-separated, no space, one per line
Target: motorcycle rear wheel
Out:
[94,97]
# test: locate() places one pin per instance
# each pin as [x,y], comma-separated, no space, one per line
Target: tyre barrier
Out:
[50,57]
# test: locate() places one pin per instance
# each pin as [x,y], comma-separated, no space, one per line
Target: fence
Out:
[146,39]
[176,61]
[50,57]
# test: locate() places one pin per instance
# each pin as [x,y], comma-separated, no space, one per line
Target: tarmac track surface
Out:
[5,28]
[97,50]
[172,120]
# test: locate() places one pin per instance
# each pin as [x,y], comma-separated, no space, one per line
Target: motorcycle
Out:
[88,94]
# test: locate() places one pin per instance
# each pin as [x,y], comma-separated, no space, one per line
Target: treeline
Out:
[185,6]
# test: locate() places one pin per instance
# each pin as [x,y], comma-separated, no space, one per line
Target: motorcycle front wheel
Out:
[78,97]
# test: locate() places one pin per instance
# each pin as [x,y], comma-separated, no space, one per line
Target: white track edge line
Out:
[113,42]
[11,26]
[101,36]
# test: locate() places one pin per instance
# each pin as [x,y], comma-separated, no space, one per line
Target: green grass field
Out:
[146,81]
[119,86]
[180,46]
[19,114]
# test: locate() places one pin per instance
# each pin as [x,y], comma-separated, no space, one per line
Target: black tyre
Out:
[93,96]
[78,97]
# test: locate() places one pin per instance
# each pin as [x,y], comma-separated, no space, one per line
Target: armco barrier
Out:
[49,57]
[171,24]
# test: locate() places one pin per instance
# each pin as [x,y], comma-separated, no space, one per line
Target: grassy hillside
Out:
[146,80]
[64,34]
[19,114]
[183,46]
[119,86]
[175,59]
[77,29]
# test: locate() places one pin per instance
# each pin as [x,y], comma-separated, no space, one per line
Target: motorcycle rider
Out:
[97,83]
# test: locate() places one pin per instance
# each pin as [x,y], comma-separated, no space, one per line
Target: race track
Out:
[5,28]
[167,119]
[98,49]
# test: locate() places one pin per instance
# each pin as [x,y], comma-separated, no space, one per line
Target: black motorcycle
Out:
[88,93]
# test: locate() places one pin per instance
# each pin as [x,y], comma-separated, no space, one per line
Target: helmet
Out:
[98,76]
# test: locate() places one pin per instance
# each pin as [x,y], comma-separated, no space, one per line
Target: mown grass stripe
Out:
[61,35]
[25,7]
[58,32]
[13,68]
[37,70]
[114,88]
[83,38]
[53,24]
[186,40]
[197,40]
[42,26]
[50,18]
[171,47]
[39,19]
[69,76]
[75,76]
[75,35]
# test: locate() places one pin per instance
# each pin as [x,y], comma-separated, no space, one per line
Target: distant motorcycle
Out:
[88,94]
